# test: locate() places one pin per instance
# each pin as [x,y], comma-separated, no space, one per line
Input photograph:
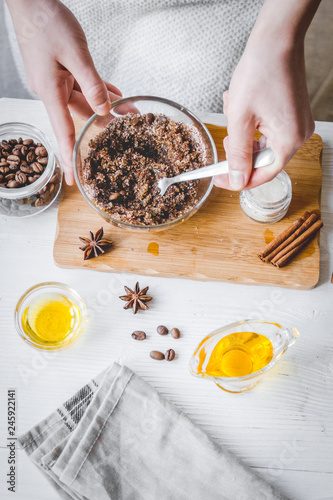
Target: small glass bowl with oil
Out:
[50,316]
[237,356]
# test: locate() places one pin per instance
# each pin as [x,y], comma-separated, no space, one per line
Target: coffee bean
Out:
[17,151]
[150,118]
[13,158]
[1,177]
[13,166]
[39,202]
[41,151]
[27,169]
[175,333]
[19,167]
[20,177]
[9,177]
[138,335]
[37,167]
[54,178]
[170,355]
[42,160]
[157,355]
[162,330]
[31,157]
[13,184]
[33,178]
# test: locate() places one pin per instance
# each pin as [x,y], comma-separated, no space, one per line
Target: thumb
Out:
[240,152]
[91,84]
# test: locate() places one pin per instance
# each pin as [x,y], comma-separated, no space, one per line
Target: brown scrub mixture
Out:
[128,157]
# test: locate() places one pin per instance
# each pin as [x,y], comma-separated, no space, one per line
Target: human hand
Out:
[268,92]
[60,70]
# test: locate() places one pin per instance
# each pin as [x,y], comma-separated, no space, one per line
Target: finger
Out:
[91,84]
[226,145]
[283,151]
[262,175]
[63,126]
[111,88]
[79,106]
[225,102]
[222,181]
[114,90]
[240,151]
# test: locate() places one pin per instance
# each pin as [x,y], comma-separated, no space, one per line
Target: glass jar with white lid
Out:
[268,202]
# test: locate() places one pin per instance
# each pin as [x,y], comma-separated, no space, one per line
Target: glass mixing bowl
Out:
[143,105]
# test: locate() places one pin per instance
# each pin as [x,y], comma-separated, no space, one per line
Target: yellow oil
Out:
[236,355]
[50,319]
[153,248]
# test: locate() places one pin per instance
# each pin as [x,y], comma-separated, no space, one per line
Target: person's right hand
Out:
[60,69]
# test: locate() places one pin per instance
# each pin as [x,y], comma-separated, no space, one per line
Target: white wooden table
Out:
[282,428]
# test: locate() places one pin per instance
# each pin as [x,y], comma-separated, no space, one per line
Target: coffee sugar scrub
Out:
[128,157]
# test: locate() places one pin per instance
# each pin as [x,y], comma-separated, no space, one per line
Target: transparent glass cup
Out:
[142,105]
[43,290]
[280,337]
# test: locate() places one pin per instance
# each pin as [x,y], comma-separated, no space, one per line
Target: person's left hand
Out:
[268,92]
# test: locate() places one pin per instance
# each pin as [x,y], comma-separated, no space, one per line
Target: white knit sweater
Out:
[185,50]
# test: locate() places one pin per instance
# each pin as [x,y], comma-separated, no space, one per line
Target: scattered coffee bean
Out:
[175,333]
[157,355]
[138,335]
[162,330]
[170,355]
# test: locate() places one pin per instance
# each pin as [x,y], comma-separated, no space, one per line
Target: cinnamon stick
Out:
[288,256]
[304,227]
[306,235]
[282,236]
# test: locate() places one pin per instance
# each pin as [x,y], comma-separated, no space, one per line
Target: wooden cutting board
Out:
[218,243]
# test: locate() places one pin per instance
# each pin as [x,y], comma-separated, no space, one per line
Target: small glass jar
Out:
[36,197]
[40,296]
[268,202]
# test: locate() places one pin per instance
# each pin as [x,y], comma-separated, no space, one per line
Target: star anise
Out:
[136,299]
[94,246]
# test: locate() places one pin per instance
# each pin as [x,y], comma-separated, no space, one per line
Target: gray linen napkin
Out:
[119,438]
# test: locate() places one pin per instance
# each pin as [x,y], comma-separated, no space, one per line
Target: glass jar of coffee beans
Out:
[30,173]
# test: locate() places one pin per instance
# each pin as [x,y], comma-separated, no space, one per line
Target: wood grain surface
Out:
[218,243]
